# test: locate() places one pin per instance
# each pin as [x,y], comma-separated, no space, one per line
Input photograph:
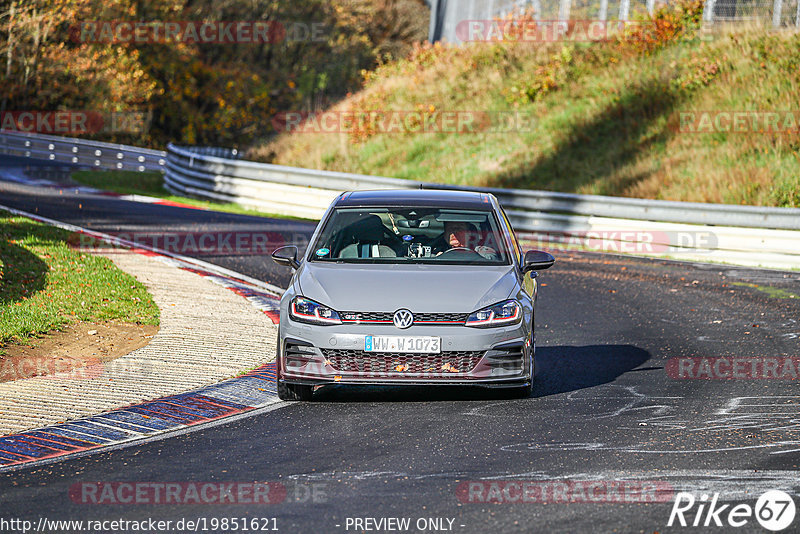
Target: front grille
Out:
[398,364]
[367,317]
[386,317]
[440,317]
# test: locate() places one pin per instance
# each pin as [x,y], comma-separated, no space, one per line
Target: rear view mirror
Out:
[286,256]
[536,260]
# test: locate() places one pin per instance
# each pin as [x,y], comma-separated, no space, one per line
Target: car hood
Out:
[423,288]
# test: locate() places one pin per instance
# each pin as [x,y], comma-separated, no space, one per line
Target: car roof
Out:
[440,198]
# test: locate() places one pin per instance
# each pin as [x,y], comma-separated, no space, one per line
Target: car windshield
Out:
[410,235]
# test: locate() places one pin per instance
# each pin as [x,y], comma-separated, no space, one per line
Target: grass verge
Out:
[45,284]
[152,184]
[600,118]
[772,292]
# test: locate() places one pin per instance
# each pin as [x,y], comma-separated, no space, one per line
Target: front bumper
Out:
[498,357]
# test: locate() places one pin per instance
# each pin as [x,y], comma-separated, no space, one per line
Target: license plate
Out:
[411,344]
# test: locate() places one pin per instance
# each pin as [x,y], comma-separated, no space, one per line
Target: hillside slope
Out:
[605,118]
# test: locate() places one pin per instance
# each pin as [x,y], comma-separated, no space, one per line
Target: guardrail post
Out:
[563,10]
[797,16]
[708,10]
[432,37]
[624,8]
[537,10]
[777,7]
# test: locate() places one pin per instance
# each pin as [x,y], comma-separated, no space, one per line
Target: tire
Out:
[522,392]
[295,392]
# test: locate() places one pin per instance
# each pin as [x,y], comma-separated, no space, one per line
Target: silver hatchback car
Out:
[409,287]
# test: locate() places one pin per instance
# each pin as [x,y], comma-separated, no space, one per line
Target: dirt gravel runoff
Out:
[207,334]
[79,349]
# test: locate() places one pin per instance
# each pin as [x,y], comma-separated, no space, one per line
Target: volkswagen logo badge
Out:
[403,318]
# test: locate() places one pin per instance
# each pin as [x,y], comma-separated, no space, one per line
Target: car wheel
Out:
[522,392]
[295,392]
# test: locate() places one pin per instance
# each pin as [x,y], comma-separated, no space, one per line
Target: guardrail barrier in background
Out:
[742,235]
[81,152]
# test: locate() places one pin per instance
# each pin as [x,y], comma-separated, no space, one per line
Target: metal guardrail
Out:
[219,176]
[745,235]
[82,152]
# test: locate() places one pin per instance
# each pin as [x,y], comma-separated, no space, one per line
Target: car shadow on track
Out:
[559,369]
[563,369]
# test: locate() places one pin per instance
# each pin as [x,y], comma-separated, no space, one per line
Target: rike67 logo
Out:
[774,510]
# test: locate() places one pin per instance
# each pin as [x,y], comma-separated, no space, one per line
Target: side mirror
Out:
[536,260]
[286,256]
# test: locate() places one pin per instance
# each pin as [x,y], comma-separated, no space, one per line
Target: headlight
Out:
[305,310]
[500,314]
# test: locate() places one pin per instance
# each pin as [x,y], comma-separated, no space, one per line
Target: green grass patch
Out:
[772,292]
[45,284]
[152,184]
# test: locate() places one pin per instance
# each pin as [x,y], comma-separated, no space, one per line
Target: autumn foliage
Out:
[197,92]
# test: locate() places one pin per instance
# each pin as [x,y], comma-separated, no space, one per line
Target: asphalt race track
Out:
[605,408]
